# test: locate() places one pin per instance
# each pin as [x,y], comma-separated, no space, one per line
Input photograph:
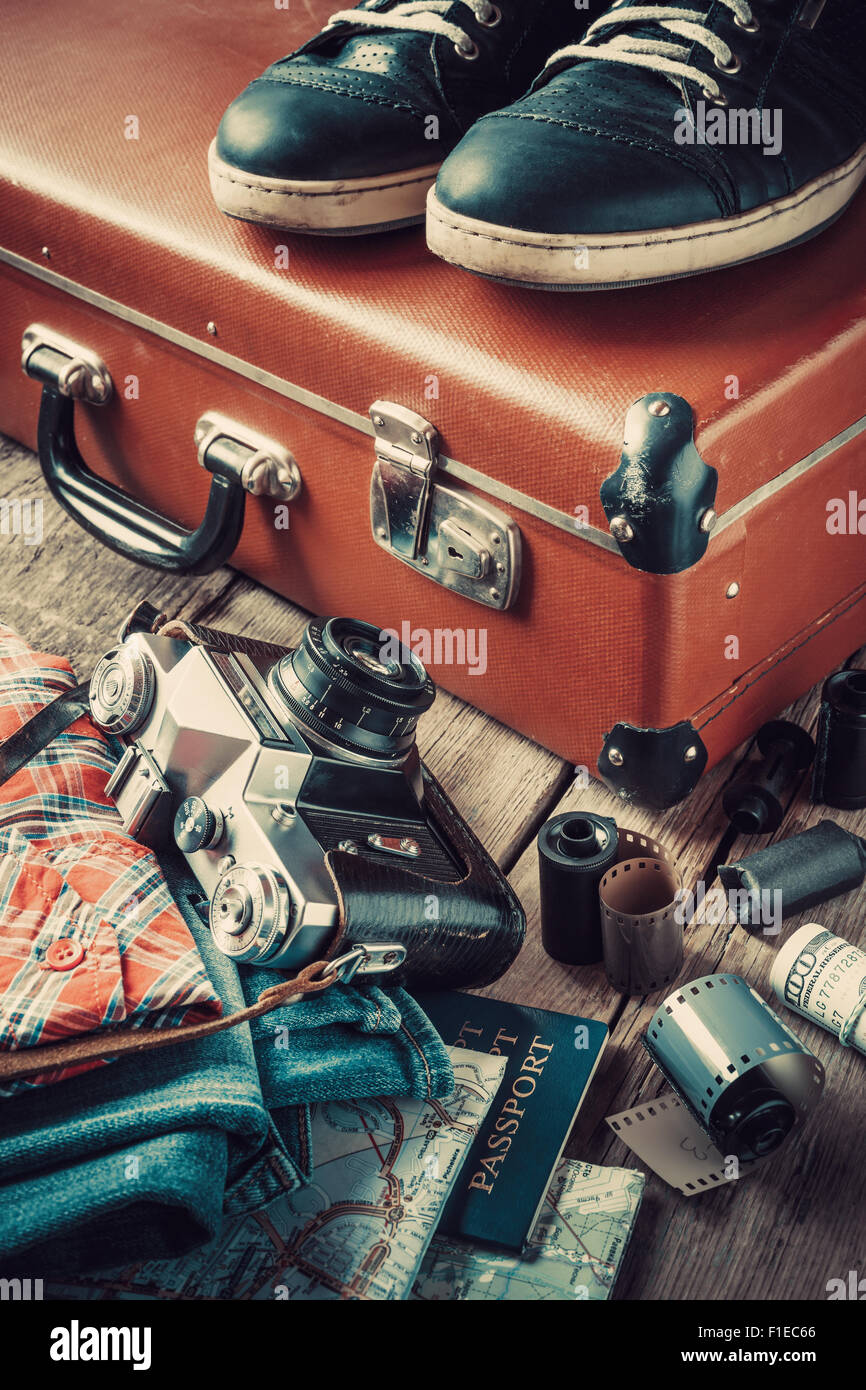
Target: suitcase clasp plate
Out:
[451,536]
[65,366]
[263,467]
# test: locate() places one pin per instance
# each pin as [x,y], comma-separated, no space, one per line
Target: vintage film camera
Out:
[290,780]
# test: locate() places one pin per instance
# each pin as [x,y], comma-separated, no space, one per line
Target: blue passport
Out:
[552,1058]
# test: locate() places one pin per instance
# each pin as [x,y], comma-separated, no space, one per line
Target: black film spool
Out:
[575,851]
[840,764]
[755,803]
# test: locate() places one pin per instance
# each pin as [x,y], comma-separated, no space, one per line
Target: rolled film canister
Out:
[638,899]
[820,863]
[823,977]
[743,1075]
[840,763]
[574,852]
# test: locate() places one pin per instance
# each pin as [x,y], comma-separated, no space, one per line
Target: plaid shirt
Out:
[90,937]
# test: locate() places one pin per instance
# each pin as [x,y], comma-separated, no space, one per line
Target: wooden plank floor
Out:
[780,1234]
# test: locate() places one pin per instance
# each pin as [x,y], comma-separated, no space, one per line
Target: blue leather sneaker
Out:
[346,134]
[673,139]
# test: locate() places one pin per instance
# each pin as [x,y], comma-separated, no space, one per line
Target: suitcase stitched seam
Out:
[783,657]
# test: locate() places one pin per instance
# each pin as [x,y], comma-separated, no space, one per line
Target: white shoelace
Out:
[424,17]
[661,55]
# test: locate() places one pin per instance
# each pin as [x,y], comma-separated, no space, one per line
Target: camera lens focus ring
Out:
[121,690]
[355,656]
[350,685]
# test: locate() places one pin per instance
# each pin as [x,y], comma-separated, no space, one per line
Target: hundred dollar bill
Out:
[823,977]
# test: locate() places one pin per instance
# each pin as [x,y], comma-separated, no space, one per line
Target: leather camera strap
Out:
[16,1066]
[219,641]
[42,729]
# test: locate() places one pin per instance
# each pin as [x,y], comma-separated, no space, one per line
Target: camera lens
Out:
[354,687]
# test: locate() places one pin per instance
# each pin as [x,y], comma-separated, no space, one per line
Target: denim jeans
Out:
[140,1159]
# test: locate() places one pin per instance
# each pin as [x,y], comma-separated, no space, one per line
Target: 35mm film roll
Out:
[823,977]
[574,852]
[744,1079]
[638,900]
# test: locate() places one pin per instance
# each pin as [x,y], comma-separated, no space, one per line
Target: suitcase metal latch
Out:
[448,535]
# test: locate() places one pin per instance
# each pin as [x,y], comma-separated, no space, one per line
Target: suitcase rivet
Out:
[615,757]
[381,532]
[46,253]
[732,590]
[707,520]
[659,408]
[690,754]
[621,529]
[494,593]
[211,328]
[378,421]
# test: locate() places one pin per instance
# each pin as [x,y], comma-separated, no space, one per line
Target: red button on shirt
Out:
[65,954]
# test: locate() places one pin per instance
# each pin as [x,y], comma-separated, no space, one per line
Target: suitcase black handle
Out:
[239,460]
[118,520]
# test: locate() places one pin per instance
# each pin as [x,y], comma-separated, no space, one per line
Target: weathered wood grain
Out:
[68,593]
[779,1234]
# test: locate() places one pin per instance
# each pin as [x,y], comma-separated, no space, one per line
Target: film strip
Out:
[744,1081]
[642,937]
[665,1135]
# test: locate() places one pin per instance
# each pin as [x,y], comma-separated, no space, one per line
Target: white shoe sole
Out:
[342,207]
[572,262]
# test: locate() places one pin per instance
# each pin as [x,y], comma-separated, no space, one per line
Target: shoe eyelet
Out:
[470,52]
[733,66]
[716,98]
[750,26]
[492,16]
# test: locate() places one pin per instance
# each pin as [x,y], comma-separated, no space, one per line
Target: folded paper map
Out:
[574,1252]
[359,1229]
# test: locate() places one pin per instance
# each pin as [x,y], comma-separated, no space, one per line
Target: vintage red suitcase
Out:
[637,606]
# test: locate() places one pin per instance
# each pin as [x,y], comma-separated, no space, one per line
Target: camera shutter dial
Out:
[196,826]
[249,912]
[121,690]
[235,910]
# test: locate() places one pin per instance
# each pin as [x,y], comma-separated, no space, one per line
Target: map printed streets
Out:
[359,1230]
[574,1252]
